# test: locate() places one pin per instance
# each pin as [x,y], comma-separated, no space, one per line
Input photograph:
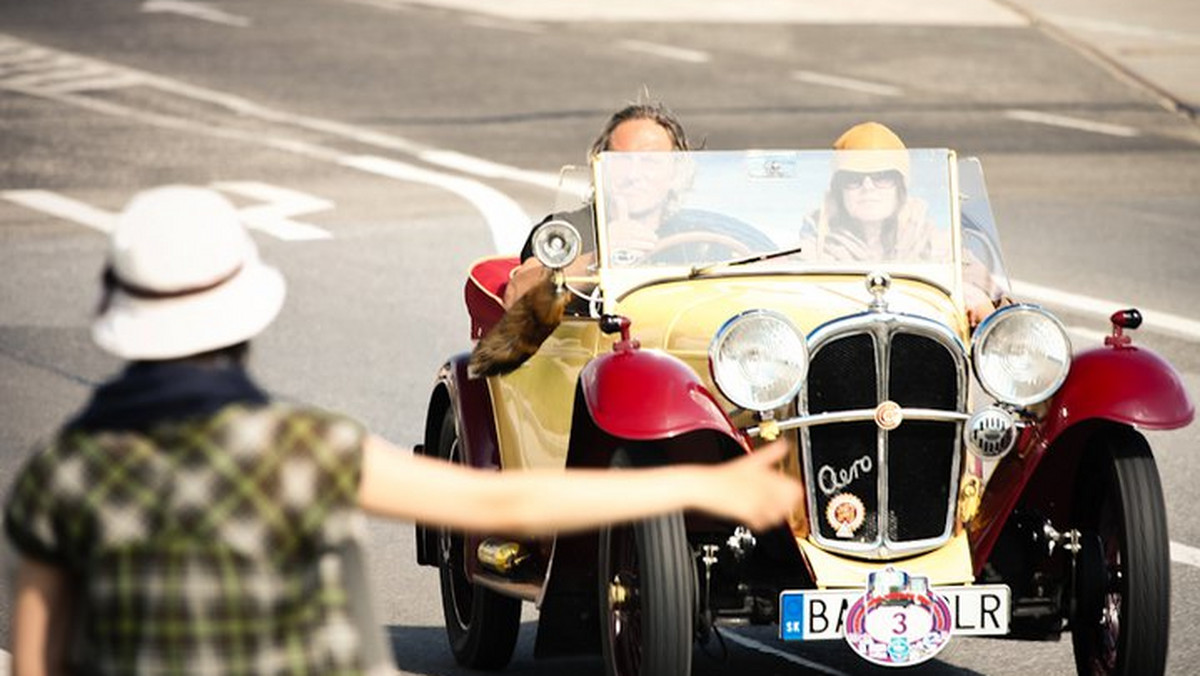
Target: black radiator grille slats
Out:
[918,482]
[844,376]
[923,373]
[920,459]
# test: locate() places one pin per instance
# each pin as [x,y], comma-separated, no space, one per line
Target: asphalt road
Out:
[380,146]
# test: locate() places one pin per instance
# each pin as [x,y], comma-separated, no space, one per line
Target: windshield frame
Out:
[618,280]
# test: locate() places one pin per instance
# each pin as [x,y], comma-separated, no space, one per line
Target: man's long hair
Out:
[655,112]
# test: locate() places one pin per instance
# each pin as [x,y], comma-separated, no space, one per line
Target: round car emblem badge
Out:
[845,513]
[888,415]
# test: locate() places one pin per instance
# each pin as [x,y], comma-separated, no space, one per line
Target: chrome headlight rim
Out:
[723,334]
[985,330]
[556,244]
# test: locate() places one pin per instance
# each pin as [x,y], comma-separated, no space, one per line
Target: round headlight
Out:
[556,244]
[758,360]
[1021,355]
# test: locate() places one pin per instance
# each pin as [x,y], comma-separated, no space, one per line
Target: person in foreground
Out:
[184,523]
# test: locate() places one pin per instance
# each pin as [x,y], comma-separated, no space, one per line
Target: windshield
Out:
[853,210]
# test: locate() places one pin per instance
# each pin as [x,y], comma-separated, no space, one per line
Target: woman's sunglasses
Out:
[853,180]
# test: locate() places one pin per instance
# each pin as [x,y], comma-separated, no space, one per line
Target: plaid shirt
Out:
[206,546]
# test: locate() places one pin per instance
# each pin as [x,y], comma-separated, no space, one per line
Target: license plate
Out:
[814,615]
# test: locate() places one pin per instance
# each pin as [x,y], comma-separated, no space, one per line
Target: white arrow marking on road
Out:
[279,205]
[1072,123]
[846,83]
[195,10]
[63,207]
[272,218]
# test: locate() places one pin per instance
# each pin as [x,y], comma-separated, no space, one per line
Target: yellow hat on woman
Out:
[883,150]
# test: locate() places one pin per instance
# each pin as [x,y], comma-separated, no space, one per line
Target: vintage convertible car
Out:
[960,480]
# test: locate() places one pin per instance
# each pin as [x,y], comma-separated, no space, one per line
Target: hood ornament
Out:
[878,283]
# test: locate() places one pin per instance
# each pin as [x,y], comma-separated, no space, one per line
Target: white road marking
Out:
[390,5]
[1153,320]
[1126,30]
[195,10]
[504,25]
[507,220]
[810,77]
[1181,553]
[881,12]
[1072,123]
[17,50]
[63,207]
[488,169]
[26,67]
[1092,338]
[665,51]
[750,643]
[273,216]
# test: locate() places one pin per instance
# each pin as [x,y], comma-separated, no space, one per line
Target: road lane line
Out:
[1089,335]
[1072,123]
[503,25]
[665,51]
[195,10]
[63,207]
[389,5]
[750,643]
[508,222]
[505,218]
[476,166]
[1114,28]
[1153,320]
[810,77]
[1181,553]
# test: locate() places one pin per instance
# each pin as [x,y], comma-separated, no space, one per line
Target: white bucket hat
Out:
[185,278]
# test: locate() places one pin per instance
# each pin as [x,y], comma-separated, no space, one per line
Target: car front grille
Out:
[904,480]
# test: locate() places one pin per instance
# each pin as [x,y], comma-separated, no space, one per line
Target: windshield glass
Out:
[982,263]
[854,210]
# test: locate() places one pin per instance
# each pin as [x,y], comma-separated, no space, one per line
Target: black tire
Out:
[481,625]
[1121,615]
[647,598]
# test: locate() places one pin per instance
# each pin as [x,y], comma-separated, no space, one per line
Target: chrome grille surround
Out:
[882,536]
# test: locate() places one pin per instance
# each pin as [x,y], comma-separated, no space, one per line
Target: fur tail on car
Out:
[522,329]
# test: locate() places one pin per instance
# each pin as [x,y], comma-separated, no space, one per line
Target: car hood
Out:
[682,317]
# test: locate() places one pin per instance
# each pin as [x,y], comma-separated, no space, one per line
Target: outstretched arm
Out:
[396,484]
[40,619]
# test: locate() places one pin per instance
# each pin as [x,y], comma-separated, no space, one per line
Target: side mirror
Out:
[556,244]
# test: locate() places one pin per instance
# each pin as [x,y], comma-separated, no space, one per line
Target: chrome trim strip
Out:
[861,414]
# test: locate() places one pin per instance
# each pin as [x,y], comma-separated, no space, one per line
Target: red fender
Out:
[645,394]
[1124,384]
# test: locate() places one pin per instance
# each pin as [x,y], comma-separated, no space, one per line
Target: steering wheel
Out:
[672,248]
[706,229]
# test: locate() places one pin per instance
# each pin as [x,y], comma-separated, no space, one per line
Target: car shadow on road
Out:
[424,650]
